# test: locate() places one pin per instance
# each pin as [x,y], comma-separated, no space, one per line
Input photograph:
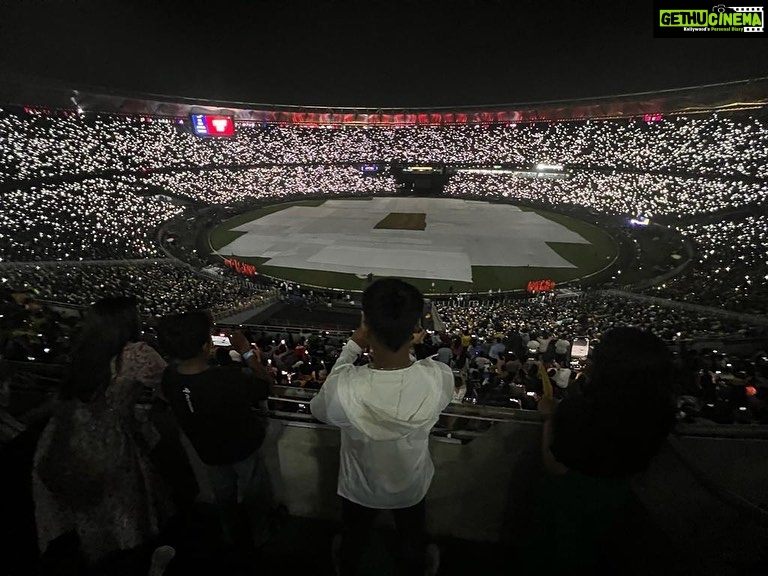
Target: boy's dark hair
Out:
[392,311]
[183,335]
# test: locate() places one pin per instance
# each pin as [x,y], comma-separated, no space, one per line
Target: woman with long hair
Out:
[92,475]
[587,519]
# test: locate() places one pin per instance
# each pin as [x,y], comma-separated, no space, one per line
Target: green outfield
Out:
[588,258]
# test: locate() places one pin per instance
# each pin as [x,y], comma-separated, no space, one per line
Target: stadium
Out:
[406,196]
[533,229]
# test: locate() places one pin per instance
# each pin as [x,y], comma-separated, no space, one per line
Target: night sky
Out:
[365,53]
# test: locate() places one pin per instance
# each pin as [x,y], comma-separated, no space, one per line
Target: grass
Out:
[346,281]
[588,258]
[595,257]
[403,221]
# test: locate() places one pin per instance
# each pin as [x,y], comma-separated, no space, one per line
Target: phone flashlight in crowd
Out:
[269,361]
[531,394]
[282,341]
[580,347]
[221,340]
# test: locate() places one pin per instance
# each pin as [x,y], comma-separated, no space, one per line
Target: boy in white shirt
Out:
[385,411]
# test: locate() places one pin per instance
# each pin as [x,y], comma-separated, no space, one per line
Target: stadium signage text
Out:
[537,286]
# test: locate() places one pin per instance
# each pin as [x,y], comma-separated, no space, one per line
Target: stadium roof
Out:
[372,53]
[749,94]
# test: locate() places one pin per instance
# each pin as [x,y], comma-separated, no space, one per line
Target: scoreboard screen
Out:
[205,125]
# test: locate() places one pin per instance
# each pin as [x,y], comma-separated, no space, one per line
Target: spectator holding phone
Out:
[216,407]
[92,474]
[385,411]
[592,445]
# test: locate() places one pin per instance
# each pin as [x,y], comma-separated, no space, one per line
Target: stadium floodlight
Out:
[485,171]
[544,166]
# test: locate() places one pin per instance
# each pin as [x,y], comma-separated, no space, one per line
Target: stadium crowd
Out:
[649,195]
[159,287]
[35,145]
[589,316]
[78,187]
[731,267]
[111,447]
[54,206]
[494,346]
[90,220]
[229,186]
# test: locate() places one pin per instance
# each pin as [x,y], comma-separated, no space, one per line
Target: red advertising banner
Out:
[205,125]
[240,267]
[536,286]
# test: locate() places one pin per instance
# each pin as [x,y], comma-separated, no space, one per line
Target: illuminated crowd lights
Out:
[230,186]
[40,145]
[596,314]
[731,268]
[159,287]
[93,219]
[614,193]
[110,218]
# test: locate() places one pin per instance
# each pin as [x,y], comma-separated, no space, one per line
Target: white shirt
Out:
[385,417]
[459,394]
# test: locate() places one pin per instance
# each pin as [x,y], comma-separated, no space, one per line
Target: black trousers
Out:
[411,536]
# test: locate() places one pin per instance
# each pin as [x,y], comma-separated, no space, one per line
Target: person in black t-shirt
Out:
[592,445]
[218,409]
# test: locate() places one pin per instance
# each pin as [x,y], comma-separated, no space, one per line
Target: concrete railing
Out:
[705,491]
